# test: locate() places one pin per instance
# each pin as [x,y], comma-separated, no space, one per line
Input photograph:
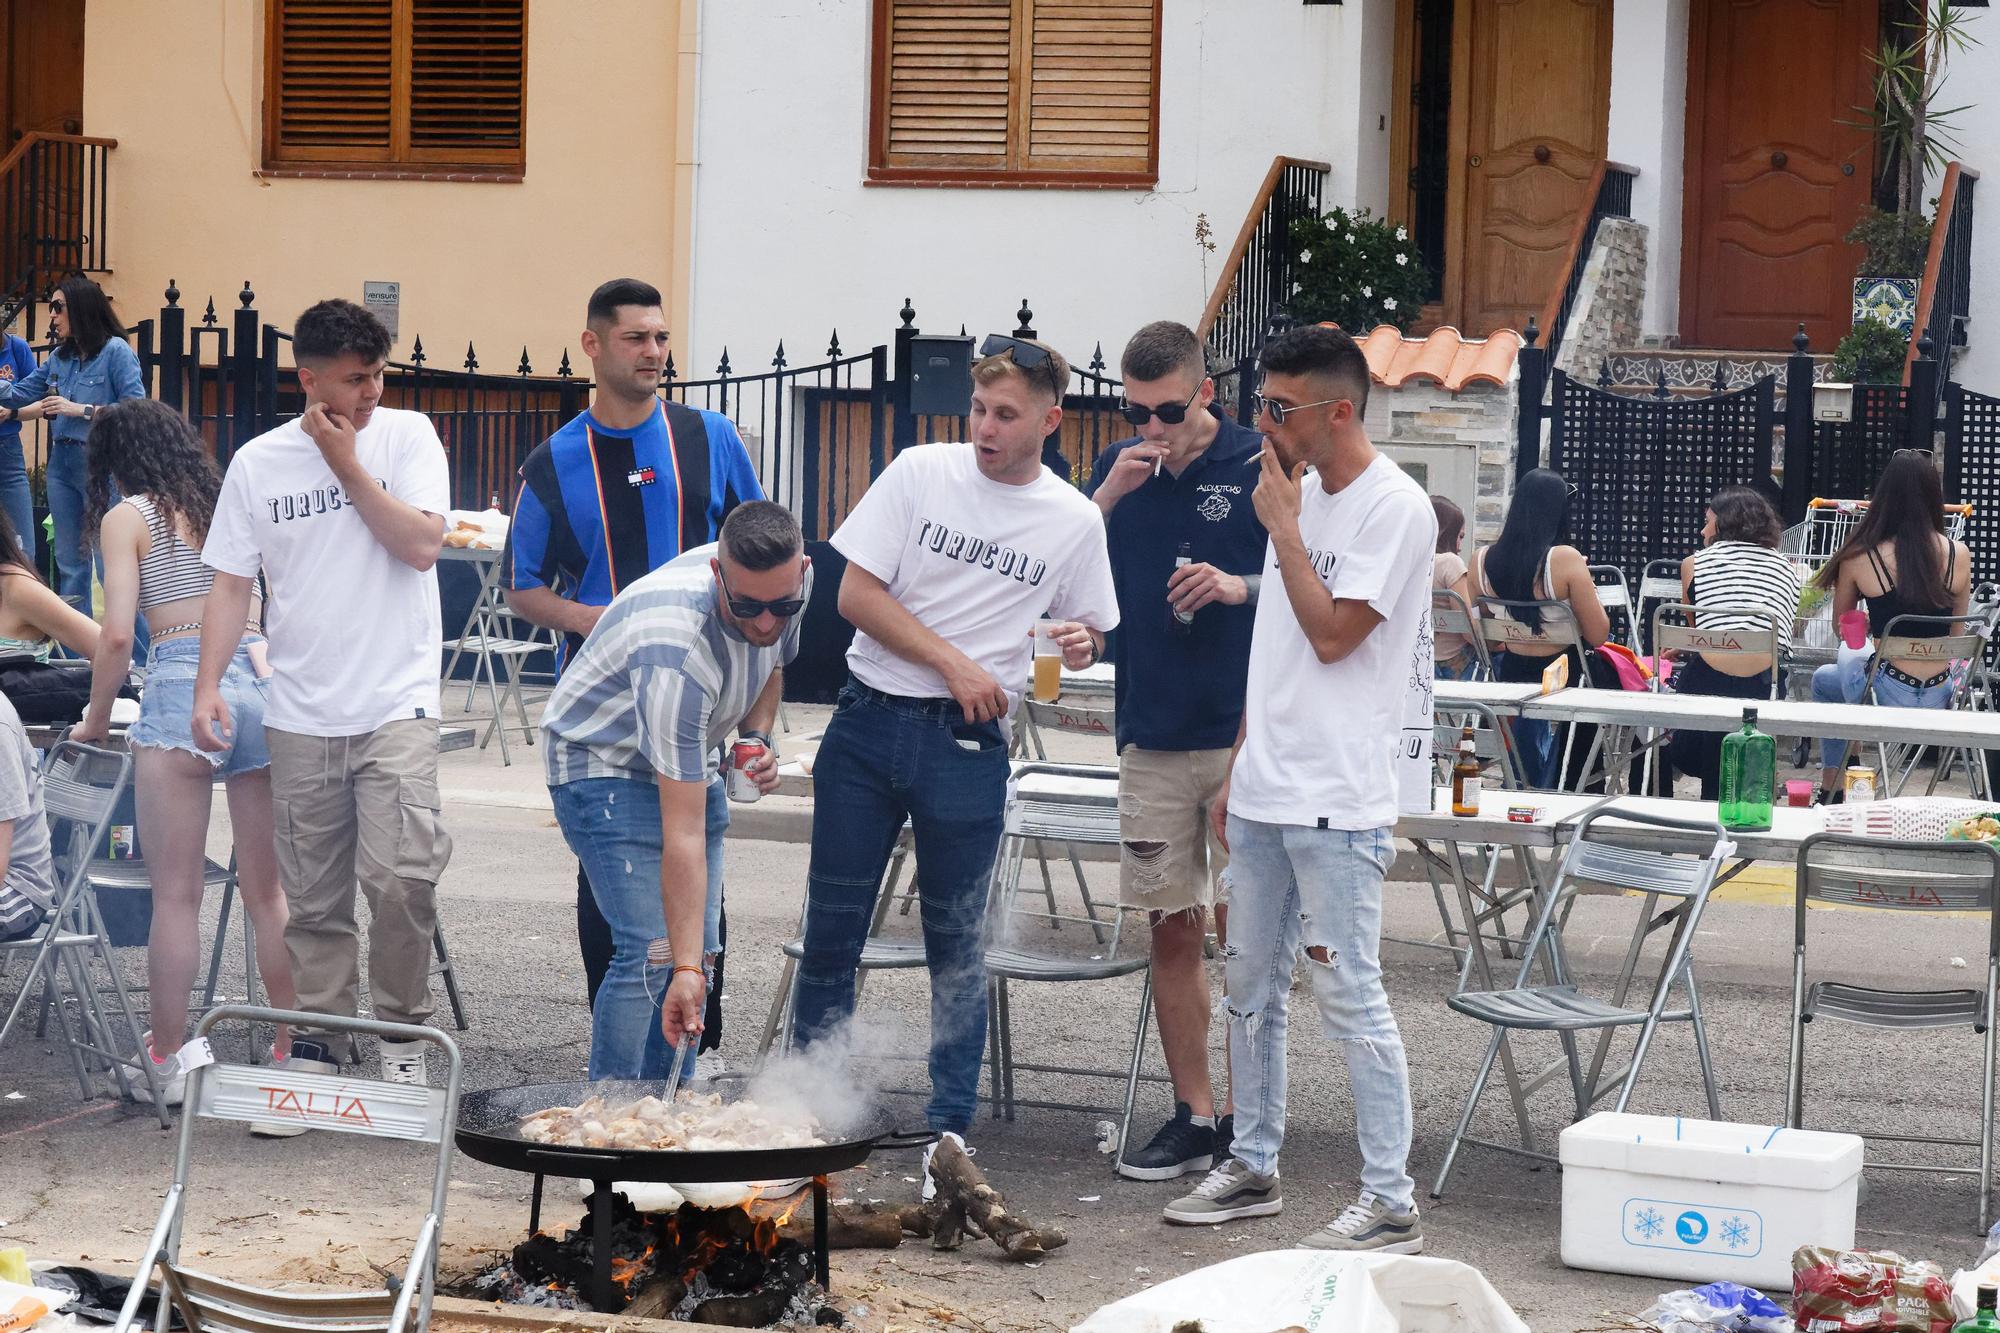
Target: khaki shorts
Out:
[1168,858]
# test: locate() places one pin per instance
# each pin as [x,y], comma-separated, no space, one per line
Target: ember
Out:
[724,1266]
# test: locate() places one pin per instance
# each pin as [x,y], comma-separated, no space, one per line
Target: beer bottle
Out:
[1179,621]
[1465,777]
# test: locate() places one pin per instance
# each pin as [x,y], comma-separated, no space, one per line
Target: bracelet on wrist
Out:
[688,967]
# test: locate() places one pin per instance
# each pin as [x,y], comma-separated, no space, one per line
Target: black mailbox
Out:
[940,375]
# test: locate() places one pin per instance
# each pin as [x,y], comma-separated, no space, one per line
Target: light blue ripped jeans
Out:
[1293,887]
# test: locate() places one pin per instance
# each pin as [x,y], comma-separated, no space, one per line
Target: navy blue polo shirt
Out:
[1183,691]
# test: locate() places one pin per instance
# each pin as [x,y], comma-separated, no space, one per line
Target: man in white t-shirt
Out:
[343,512]
[1336,721]
[953,553]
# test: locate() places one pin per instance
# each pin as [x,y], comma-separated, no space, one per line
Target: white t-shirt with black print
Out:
[356,640]
[1345,745]
[977,561]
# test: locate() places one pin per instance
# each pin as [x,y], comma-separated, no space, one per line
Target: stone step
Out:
[1695,370]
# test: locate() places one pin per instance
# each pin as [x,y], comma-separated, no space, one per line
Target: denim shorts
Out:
[166,707]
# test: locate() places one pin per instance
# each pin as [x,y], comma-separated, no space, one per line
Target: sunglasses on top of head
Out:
[1025,355]
[1171,414]
[749,608]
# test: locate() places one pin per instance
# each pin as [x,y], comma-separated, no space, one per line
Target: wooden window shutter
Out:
[332,83]
[1016,91]
[467,59]
[1093,82]
[381,85]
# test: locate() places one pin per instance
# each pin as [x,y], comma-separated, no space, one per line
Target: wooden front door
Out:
[1537,81]
[41,72]
[1778,169]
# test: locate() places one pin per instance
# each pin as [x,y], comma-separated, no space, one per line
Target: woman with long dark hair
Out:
[91,367]
[151,544]
[1531,562]
[1737,569]
[1900,562]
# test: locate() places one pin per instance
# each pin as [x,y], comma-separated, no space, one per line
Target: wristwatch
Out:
[89,411]
[763,736]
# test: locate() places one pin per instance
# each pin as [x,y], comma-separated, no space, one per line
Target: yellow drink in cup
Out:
[1048,665]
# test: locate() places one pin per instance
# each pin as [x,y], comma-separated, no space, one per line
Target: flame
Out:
[625,1272]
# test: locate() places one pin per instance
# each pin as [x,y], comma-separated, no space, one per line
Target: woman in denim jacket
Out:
[91,367]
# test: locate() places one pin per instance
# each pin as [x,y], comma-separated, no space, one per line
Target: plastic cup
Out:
[1048,664]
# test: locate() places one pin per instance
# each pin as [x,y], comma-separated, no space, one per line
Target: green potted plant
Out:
[1872,353]
[1356,270]
[1916,137]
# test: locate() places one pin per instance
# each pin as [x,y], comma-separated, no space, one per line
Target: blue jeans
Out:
[1459,668]
[1828,688]
[613,826]
[1294,887]
[15,498]
[166,709]
[67,476]
[884,758]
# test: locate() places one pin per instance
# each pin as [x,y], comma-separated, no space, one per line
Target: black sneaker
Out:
[1225,1134]
[1181,1146]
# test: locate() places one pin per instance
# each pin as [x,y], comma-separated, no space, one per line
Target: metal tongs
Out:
[677,1071]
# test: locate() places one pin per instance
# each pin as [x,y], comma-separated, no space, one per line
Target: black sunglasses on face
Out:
[1172,414]
[1279,411]
[57,307]
[749,608]
[1025,355]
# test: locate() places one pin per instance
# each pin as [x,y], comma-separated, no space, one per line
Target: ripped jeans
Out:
[613,826]
[1294,887]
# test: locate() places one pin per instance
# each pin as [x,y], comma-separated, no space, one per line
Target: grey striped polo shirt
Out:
[660,683]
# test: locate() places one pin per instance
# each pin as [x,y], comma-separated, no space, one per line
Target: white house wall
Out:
[789,243]
[1648,129]
[1972,80]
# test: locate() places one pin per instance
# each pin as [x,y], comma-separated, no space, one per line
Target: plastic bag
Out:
[1320,1292]
[1861,1291]
[1719,1307]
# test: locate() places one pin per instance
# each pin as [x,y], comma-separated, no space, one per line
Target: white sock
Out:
[1205,1121]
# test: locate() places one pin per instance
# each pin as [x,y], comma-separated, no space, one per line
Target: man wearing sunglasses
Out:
[954,553]
[1334,746]
[682,659]
[1183,649]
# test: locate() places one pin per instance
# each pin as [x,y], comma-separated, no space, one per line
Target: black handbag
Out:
[49,694]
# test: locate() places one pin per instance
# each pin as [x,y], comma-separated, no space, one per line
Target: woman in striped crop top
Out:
[151,544]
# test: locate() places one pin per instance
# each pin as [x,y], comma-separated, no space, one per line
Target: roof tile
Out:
[1445,357]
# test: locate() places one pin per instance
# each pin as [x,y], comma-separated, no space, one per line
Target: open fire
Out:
[726,1266]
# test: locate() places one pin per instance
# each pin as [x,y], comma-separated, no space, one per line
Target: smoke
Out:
[838,1079]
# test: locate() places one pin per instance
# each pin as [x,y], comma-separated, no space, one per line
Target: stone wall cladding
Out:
[1609,301]
[1479,416]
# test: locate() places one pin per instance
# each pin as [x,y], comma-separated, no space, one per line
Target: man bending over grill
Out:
[681,659]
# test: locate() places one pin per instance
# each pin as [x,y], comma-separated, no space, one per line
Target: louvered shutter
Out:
[948,95]
[466,59]
[422,84]
[333,79]
[1092,84]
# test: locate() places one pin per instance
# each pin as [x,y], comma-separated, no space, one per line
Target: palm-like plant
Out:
[1909,71]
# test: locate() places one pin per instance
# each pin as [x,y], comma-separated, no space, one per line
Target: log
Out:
[657,1298]
[850,1226]
[966,1202]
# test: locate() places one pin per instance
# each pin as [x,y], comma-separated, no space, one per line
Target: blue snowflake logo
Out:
[1735,1233]
[1649,1223]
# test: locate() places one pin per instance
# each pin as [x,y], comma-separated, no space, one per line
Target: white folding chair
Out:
[1660,582]
[1876,874]
[1614,594]
[1684,629]
[1450,615]
[70,954]
[1504,630]
[1956,644]
[1035,823]
[1637,857]
[331,1103]
[1483,903]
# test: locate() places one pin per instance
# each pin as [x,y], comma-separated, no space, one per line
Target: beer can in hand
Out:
[738,783]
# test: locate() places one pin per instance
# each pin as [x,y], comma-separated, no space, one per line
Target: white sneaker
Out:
[930,1185]
[172,1077]
[403,1062]
[707,1066]
[307,1057]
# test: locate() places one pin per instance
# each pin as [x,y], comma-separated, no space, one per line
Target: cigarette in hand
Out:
[1257,457]
[1158,459]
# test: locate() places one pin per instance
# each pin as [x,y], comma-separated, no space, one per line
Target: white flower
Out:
[1402,235]
[1332,225]
[1388,303]
[1402,260]
[1350,238]
[1367,291]
[1298,287]
[1305,256]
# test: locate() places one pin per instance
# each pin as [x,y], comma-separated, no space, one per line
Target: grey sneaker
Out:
[1370,1225]
[1230,1191]
[308,1056]
[403,1062]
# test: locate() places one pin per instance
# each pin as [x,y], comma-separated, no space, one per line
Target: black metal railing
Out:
[818,433]
[1610,192]
[54,206]
[1944,301]
[1256,280]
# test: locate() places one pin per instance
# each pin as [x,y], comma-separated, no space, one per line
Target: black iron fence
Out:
[1256,282]
[818,432]
[1611,197]
[53,215]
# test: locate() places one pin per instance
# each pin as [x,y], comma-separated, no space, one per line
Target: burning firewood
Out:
[851,1226]
[966,1202]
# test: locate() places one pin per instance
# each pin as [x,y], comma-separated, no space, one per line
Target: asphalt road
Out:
[82,1181]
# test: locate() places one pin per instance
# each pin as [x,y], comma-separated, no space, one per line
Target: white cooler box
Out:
[1703,1200]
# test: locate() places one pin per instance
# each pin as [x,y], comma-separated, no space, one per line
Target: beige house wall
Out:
[606,192]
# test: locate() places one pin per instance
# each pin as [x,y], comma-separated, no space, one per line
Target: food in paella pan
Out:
[694,1122]
[1976,828]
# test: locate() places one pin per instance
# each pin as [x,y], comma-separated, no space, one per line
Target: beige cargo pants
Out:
[360,809]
